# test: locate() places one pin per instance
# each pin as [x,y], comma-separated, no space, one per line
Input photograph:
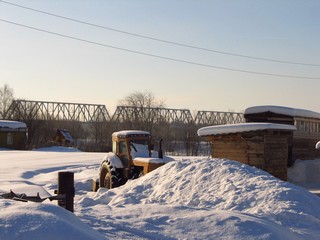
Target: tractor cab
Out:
[128,145]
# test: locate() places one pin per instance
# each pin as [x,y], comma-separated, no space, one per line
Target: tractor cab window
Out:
[122,148]
[139,148]
[114,147]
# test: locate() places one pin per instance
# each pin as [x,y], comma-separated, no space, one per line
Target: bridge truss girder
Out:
[39,110]
[150,114]
[218,118]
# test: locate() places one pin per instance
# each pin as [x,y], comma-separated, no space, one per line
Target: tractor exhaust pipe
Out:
[160,153]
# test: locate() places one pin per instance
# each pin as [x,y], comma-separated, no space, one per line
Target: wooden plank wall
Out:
[267,150]
[19,140]
[276,154]
[304,149]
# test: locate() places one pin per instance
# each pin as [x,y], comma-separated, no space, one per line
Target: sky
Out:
[81,63]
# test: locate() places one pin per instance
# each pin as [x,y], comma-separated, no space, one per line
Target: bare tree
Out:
[142,99]
[141,106]
[6,97]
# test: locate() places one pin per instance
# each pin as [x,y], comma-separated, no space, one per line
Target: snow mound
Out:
[305,172]
[223,185]
[19,220]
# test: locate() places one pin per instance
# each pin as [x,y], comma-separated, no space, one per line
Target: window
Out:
[122,148]
[9,139]
[301,126]
[114,146]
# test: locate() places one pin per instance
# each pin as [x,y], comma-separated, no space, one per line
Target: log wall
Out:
[266,150]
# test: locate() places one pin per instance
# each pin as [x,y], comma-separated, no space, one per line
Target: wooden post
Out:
[160,153]
[66,190]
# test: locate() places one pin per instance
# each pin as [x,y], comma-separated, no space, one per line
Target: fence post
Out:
[66,189]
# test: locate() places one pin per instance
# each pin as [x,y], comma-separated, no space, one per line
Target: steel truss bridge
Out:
[40,110]
[156,115]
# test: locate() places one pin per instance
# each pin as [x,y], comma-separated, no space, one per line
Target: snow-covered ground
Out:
[190,198]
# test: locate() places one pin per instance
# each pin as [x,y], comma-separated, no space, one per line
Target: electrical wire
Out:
[162,40]
[157,56]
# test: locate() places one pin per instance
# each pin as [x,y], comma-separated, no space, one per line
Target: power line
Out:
[162,40]
[158,56]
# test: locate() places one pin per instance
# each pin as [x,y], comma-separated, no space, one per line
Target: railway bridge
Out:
[40,110]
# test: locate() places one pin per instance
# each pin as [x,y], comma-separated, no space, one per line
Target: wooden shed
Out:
[63,138]
[302,142]
[263,145]
[13,134]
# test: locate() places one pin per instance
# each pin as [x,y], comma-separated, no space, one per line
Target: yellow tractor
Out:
[131,157]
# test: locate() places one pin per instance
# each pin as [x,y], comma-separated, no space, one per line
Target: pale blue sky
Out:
[40,66]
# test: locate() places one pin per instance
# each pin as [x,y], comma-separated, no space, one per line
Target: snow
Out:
[12,124]
[165,159]
[113,159]
[189,198]
[243,127]
[66,135]
[294,112]
[130,132]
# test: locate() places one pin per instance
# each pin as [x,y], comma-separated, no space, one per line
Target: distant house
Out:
[63,137]
[13,134]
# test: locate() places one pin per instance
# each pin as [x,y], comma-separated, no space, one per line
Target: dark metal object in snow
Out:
[66,189]
[65,193]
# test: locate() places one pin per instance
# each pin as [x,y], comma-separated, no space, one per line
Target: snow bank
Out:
[220,185]
[19,220]
[306,173]
[57,149]
[190,198]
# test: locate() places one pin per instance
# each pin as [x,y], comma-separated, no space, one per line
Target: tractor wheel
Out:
[109,177]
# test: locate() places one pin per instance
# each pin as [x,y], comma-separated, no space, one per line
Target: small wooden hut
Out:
[263,145]
[63,138]
[13,134]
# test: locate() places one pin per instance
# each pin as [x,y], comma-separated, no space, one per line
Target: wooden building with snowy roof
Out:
[263,145]
[63,138]
[302,142]
[13,134]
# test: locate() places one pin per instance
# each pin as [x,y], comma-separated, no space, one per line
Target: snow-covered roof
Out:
[12,124]
[243,127]
[66,135]
[294,112]
[127,133]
